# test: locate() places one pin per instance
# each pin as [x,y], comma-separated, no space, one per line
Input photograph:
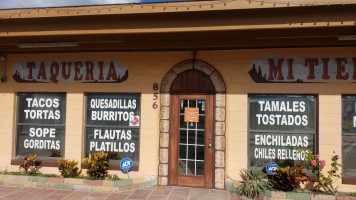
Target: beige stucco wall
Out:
[146,68]
[234,66]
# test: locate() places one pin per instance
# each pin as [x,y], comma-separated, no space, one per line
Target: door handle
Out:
[210,145]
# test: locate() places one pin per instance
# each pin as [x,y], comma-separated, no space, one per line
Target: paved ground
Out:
[152,193]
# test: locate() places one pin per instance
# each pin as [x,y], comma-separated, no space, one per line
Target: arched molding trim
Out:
[219,118]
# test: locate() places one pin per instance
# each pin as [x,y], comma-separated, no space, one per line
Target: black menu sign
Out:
[113,125]
[41,124]
[279,125]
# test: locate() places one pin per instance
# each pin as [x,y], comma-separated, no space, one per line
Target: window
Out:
[279,125]
[113,125]
[349,134]
[41,124]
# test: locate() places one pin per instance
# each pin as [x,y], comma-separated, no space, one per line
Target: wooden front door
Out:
[191,153]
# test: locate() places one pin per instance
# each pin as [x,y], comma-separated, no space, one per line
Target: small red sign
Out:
[135,121]
[191,114]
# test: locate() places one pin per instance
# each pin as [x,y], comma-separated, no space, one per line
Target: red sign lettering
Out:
[62,71]
[298,70]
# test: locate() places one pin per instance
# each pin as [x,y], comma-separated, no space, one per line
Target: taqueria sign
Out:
[303,69]
[85,71]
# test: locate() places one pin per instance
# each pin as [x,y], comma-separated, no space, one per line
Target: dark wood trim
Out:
[44,162]
[209,152]
[191,181]
[115,167]
[311,177]
[351,180]
[174,178]
[192,38]
[118,167]
[192,82]
[173,141]
[54,163]
[182,19]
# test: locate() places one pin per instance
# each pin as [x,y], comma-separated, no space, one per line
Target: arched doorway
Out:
[192,153]
[191,130]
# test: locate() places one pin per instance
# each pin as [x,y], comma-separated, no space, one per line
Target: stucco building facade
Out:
[191,91]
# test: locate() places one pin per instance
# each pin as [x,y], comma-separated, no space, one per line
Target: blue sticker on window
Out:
[271,168]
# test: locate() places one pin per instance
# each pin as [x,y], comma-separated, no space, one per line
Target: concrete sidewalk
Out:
[152,193]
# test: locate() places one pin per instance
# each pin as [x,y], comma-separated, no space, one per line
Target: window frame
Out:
[346,178]
[45,160]
[112,166]
[316,121]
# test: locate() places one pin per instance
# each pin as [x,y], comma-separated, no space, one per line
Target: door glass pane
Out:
[201,123]
[200,168]
[182,167]
[191,152]
[200,153]
[182,152]
[183,137]
[191,168]
[200,138]
[191,138]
